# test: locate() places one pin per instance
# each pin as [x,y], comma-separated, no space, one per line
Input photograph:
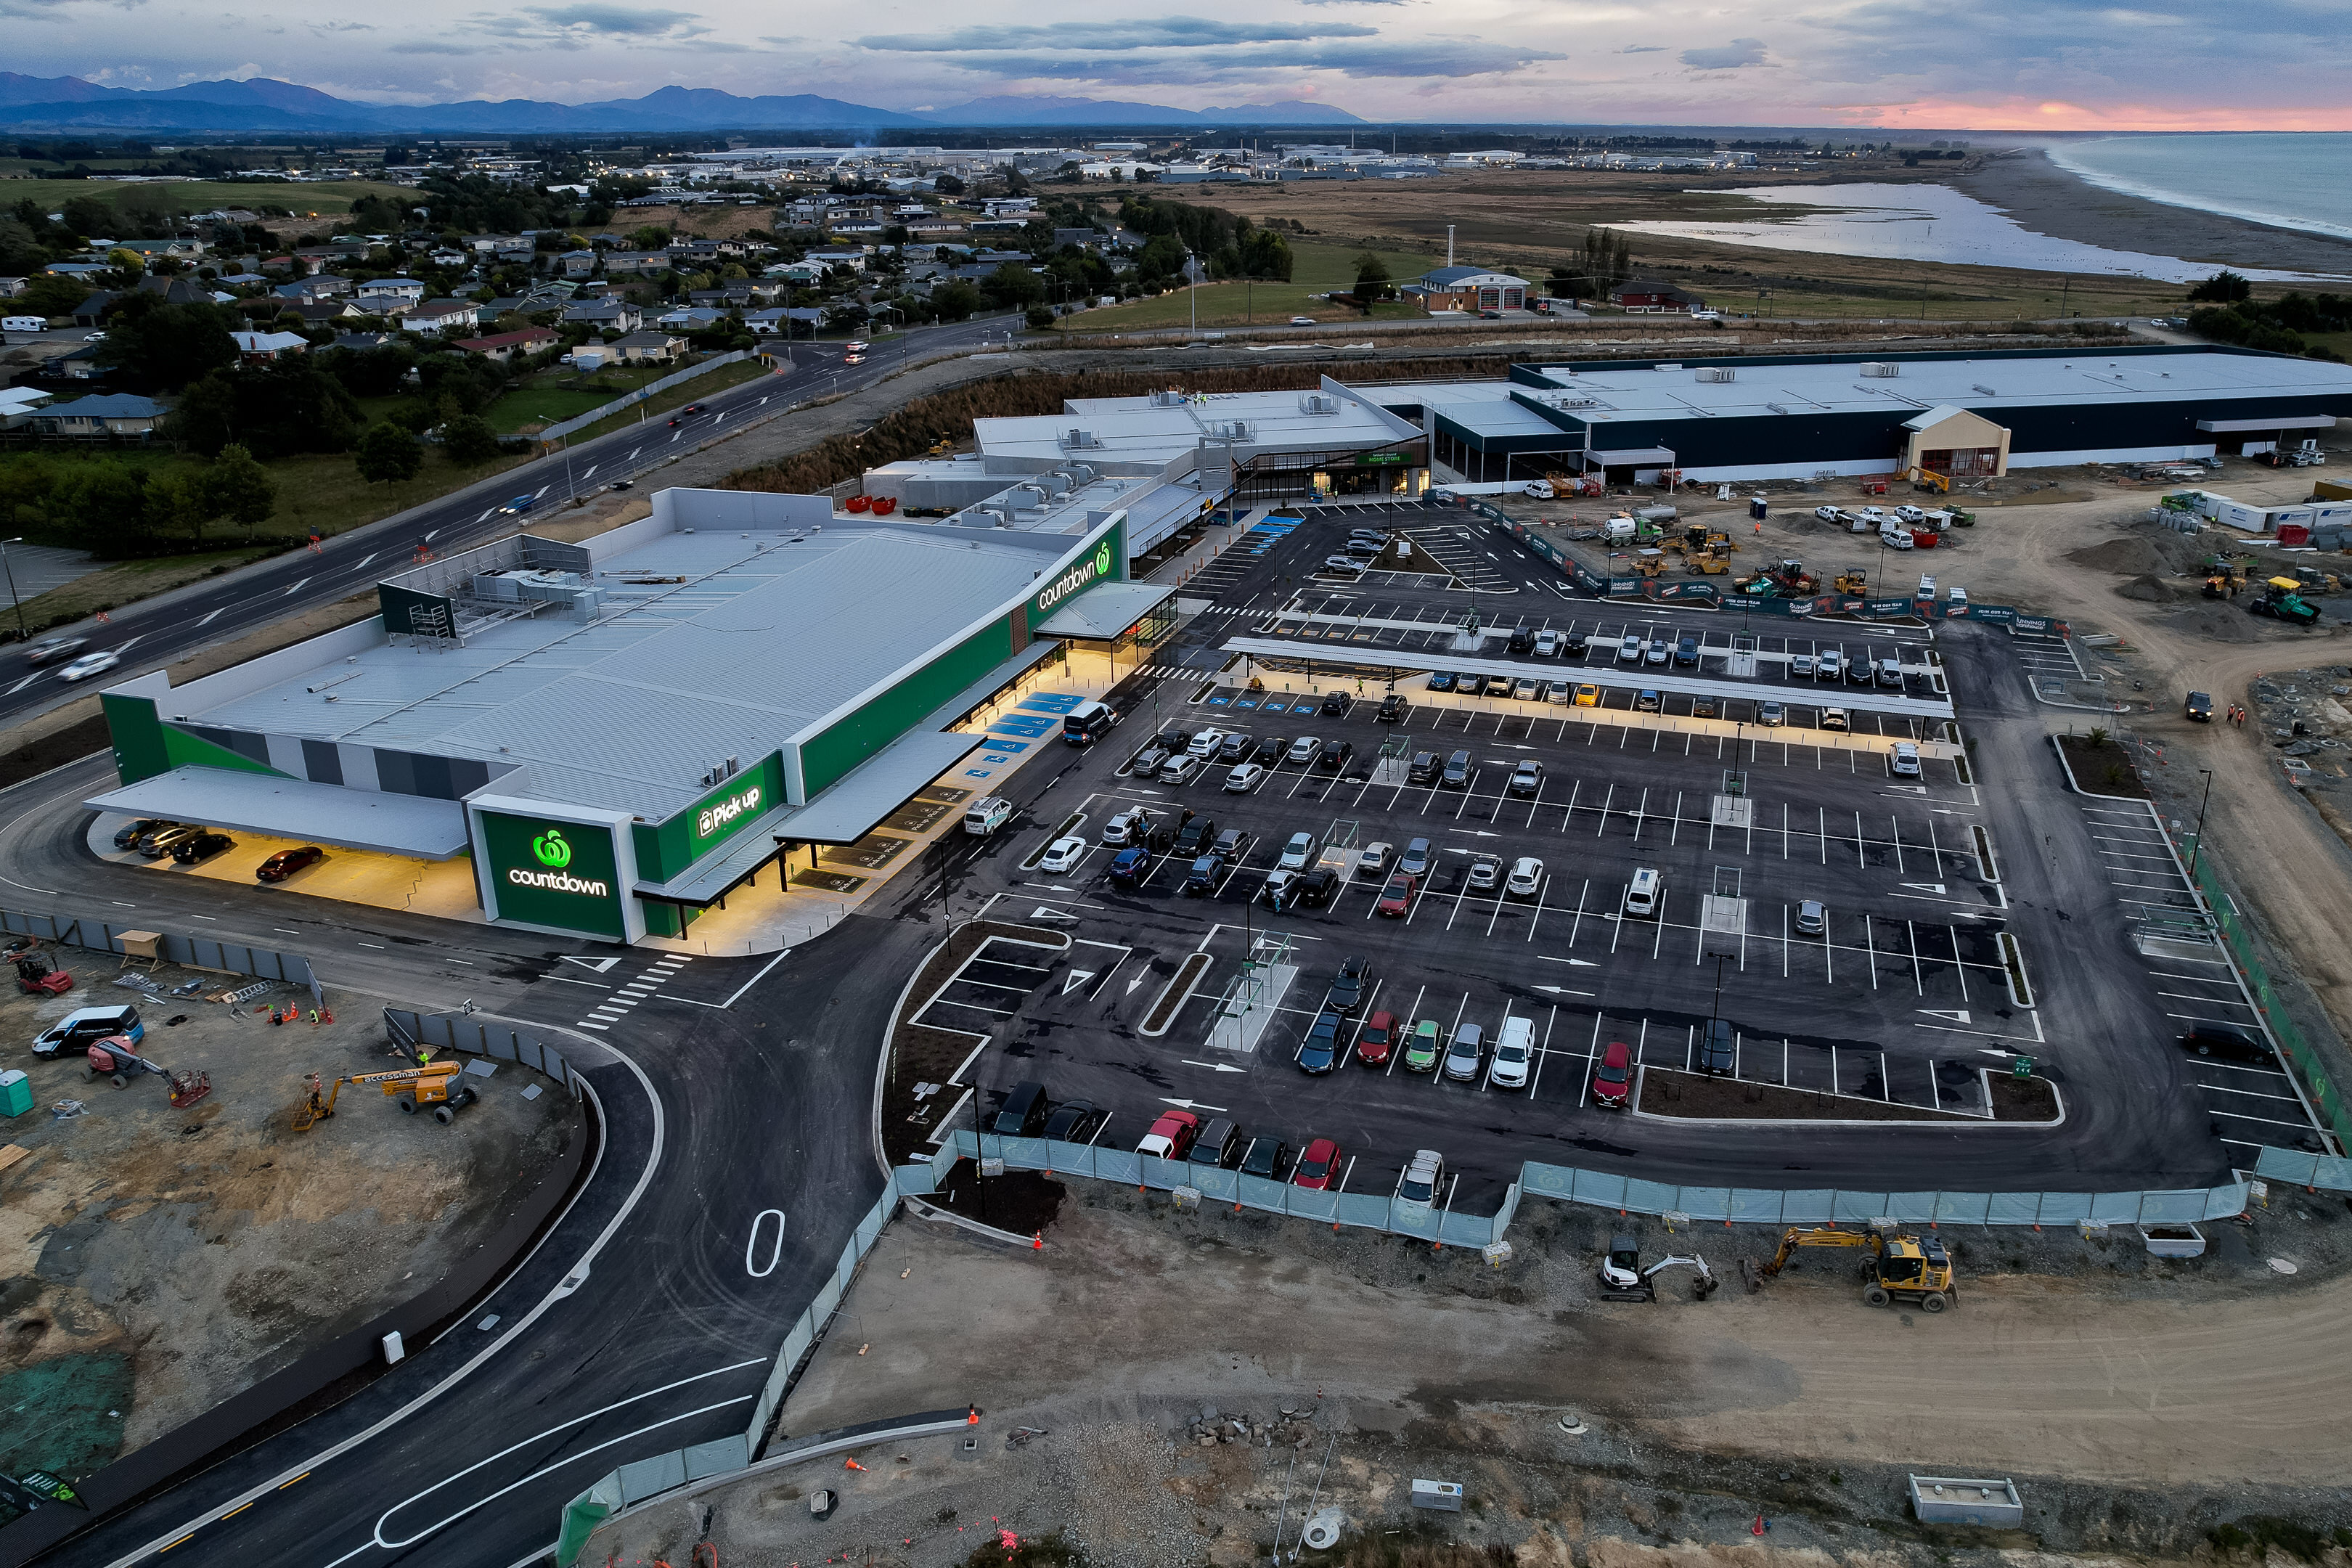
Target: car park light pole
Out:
[2198,848]
[14,602]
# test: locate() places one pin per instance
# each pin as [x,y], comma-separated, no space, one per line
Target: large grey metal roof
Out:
[766,636]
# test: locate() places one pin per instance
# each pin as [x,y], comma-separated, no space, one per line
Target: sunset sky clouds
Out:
[2054,65]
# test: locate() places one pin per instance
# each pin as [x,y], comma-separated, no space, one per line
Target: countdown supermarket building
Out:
[619,733]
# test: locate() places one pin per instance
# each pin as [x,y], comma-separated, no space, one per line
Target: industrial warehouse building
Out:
[620,733]
[1814,415]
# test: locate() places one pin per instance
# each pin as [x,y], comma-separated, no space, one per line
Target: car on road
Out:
[1442,681]
[202,846]
[1318,1166]
[1373,859]
[1396,899]
[1347,992]
[137,828]
[1268,1158]
[1298,853]
[1770,715]
[90,664]
[1208,871]
[1905,762]
[1392,709]
[1465,1055]
[1577,646]
[2198,708]
[1514,1055]
[1243,777]
[2231,1042]
[286,862]
[1376,1039]
[1304,751]
[1812,917]
[1172,1135]
[1485,875]
[1422,1050]
[1363,547]
[1129,866]
[1269,750]
[1422,1179]
[1414,861]
[1318,1053]
[691,408]
[1613,1077]
[1074,1121]
[1588,695]
[1335,705]
[1179,770]
[1858,672]
[1062,854]
[1204,744]
[1717,1048]
[1546,644]
[1526,878]
[1302,320]
[1235,748]
[1628,649]
[1527,778]
[518,504]
[49,650]
[1835,718]
[157,844]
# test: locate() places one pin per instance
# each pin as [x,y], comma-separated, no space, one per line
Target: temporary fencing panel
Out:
[2328,1172]
[2300,1055]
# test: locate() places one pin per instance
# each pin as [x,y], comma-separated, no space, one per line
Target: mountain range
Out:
[69,103]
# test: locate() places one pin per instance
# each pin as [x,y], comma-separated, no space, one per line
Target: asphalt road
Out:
[153,632]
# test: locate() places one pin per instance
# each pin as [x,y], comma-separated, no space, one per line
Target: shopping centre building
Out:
[619,733]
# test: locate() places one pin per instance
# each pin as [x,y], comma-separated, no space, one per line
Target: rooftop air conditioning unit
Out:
[1170,397]
[1076,439]
[1717,373]
[1981,387]
[1234,429]
[1676,365]
[1881,367]
[1318,403]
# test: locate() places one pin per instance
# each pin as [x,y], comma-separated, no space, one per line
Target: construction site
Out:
[176,1222]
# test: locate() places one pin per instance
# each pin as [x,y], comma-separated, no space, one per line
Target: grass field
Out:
[1315,269]
[327,199]
[126,581]
[694,390]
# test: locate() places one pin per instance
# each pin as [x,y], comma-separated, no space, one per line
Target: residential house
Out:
[805,274]
[442,316]
[1467,288]
[17,405]
[733,297]
[154,249]
[992,258]
[1646,295]
[647,348]
[91,312]
[180,290]
[78,363]
[241,279]
[606,315]
[260,347]
[691,319]
[325,286]
[113,414]
[323,313]
[850,256]
[857,229]
[450,255]
[84,270]
[360,343]
[635,263]
[997,225]
[385,296]
[503,346]
[1081,238]
[933,228]
[573,263]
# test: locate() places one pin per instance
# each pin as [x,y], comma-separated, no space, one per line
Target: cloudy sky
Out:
[2046,63]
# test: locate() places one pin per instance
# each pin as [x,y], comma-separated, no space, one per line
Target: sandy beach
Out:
[2042,196]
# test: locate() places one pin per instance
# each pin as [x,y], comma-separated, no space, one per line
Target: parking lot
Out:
[1843,923]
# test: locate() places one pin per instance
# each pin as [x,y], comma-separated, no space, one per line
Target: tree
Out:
[954,301]
[1039,316]
[240,489]
[1162,256]
[88,217]
[1013,285]
[652,236]
[948,185]
[1373,281]
[388,453]
[166,346]
[206,419]
[1266,254]
[2224,288]
[179,501]
[470,440]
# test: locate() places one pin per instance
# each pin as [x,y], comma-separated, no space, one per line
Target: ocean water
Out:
[2289,181]
[1924,223]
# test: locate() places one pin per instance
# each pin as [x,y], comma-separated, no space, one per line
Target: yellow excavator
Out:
[1928,479]
[1900,1268]
[426,1083]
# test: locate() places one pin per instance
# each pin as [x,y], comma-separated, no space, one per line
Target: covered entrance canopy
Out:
[1950,440]
[296,808]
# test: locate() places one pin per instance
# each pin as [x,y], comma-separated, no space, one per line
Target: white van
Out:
[1895,538]
[1515,1052]
[986,815]
[1644,893]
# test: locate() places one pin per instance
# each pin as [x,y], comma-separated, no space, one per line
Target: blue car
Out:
[520,503]
[1320,1052]
[1129,866]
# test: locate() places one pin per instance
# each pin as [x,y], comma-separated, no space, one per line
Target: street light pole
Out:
[14,602]
[2199,849]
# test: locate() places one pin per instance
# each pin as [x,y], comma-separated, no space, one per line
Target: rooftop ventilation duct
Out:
[1079,440]
[1881,367]
[1318,403]
[1170,397]
[1715,372]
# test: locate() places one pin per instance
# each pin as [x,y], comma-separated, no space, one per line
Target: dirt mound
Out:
[2222,624]
[2130,557]
[2150,588]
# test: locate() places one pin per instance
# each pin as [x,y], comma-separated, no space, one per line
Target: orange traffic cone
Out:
[854,1465]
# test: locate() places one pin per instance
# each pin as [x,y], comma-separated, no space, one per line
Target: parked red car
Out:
[1396,899]
[1613,1081]
[286,862]
[1372,1043]
[1319,1167]
[1172,1136]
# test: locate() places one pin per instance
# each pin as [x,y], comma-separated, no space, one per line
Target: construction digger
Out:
[426,1083]
[1930,479]
[1788,580]
[2224,578]
[1623,1277]
[1900,1268]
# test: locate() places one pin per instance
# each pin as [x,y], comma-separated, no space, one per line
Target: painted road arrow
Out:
[1191,1105]
[599,964]
[1579,962]
[1213,1067]
[1562,991]
[1956,1014]
[1042,913]
[1134,983]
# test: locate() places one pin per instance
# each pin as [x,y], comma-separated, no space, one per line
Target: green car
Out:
[1421,1052]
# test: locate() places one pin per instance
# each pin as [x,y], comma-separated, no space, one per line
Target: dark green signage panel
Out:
[552,873]
[1106,563]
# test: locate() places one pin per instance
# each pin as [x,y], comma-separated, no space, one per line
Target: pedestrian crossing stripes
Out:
[649,982]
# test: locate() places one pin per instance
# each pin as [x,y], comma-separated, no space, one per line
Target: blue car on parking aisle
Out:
[1129,866]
